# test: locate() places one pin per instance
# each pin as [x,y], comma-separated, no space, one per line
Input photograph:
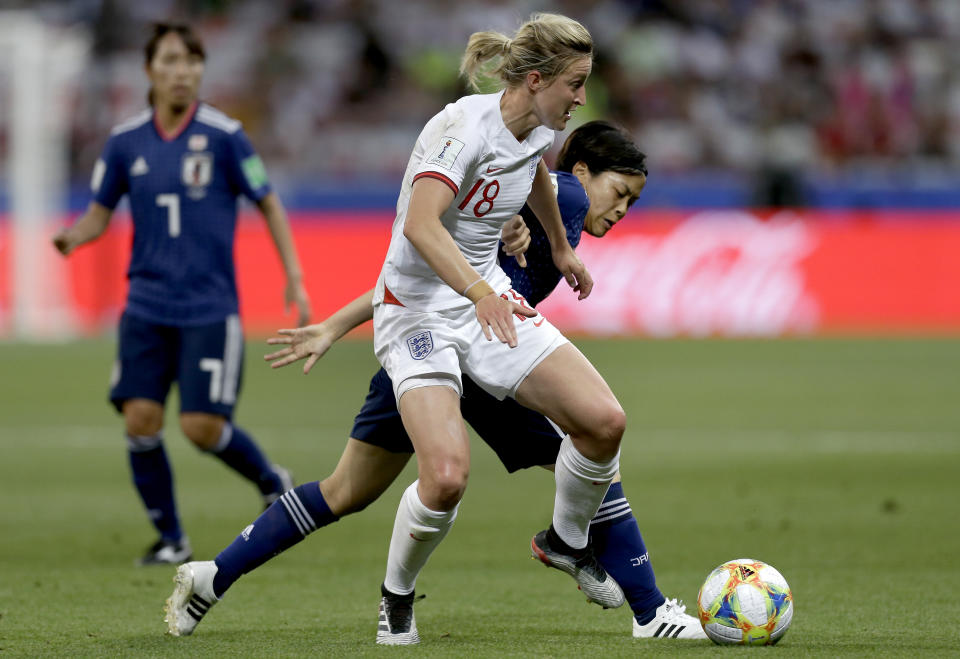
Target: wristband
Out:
[478,291]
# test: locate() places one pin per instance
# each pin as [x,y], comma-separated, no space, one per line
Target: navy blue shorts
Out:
[205,361]
[520,437]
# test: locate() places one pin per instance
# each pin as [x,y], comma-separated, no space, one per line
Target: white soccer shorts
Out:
[436,347]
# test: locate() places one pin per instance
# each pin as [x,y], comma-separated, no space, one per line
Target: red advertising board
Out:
[738,273]
[658,273]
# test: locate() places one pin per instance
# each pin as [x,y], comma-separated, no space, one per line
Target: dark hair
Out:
[189,37]
[602,147]
[186,33]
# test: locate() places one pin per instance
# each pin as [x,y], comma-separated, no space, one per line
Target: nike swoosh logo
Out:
[418,539]
[536,324]
[491,170]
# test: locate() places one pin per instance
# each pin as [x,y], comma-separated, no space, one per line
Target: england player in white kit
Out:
[441,298]
[468,148]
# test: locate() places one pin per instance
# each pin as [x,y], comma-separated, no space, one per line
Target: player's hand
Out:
[295,293]
[495,315]
[63,242]
[573,270]
[516,239]
[311,342]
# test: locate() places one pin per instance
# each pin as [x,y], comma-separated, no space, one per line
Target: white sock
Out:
[417,531]
[581,486]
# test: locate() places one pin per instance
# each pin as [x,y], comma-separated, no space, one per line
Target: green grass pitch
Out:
[835,460]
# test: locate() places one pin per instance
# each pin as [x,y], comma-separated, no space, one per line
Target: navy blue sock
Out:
[619,547]
[239,452]
[287,521]
[154,481]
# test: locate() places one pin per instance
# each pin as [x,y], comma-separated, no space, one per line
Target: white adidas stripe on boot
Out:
[192,597]
[671,621]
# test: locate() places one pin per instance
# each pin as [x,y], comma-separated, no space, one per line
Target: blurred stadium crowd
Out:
[340,88]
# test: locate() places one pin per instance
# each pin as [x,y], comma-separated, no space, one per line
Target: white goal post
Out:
[40,63]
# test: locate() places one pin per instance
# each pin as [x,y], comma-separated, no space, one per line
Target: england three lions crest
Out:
[420,345]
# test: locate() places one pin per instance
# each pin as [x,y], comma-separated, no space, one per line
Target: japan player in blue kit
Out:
[600,173]
[183,165]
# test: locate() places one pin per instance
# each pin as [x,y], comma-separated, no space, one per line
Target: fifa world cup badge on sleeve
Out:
[254,171]
[446,152]
[420,345]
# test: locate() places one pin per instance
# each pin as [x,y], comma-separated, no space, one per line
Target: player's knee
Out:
[202,429]
[446,495]
[616,423]
[606,430]
[613,423]
[443,488]
[142,419]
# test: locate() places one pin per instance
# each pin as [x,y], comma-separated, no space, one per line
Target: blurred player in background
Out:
[600,173]
[183,165]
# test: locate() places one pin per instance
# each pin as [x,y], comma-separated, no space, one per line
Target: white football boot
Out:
[192,597]
[396,624]
[671,621]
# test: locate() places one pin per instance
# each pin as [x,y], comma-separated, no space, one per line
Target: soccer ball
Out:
[745,602]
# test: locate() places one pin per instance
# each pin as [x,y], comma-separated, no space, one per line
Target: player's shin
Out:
[154,482]
[286,522]
[620,549]
[238,450]
[581,486]
[417,531]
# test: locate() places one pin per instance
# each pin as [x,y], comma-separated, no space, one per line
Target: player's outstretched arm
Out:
[516,239]
[543,202]
[294,292]
[90,226]
[313,341]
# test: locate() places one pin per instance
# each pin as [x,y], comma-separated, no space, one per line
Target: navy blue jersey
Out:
[540,277]
[183,191]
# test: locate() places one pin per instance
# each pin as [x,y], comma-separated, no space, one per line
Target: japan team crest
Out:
[196,173]
[420,345]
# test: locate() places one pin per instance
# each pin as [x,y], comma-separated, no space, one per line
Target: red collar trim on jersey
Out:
[182,126]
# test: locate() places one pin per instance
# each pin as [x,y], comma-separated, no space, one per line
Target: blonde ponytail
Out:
[547,43]
[484,51]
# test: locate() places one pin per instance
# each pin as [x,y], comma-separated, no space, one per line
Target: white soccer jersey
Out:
[468,147]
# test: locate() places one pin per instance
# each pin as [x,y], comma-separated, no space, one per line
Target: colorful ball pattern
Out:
[745,602]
